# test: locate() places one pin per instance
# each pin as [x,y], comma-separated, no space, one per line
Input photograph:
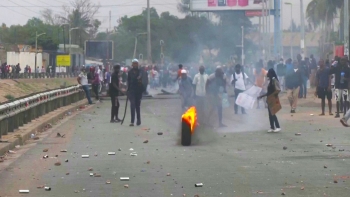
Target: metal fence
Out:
[17,113]
[36,75]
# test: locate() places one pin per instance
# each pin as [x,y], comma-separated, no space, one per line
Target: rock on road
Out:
[241,160]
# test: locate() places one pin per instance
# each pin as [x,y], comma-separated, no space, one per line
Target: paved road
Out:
[241,160]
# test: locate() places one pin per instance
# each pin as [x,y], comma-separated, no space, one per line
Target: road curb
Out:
[20,136]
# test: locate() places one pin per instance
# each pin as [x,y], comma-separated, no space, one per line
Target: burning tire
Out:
[188,125]
[186,134]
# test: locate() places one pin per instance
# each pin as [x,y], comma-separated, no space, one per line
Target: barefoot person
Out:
[323,85]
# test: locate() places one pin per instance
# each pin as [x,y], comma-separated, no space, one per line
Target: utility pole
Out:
[346,27]
[110,19]
[149,52]
[302,29]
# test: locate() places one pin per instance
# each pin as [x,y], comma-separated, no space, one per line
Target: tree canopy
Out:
[184,38]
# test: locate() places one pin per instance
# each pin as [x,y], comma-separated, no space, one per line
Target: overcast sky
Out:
[19,11]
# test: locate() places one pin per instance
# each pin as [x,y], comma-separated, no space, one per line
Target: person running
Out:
[342,74]
[274,124]
[83,81]
[135,90]
[238,83]
[323,85]
[114,93]
[215,87]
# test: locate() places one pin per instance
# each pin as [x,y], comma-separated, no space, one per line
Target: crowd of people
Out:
[205,87]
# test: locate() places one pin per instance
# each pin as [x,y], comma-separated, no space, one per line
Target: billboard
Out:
[220,5]
[99,49]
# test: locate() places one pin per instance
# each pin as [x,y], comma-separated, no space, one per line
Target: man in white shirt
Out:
[83,80]
[238,82]
[199,82]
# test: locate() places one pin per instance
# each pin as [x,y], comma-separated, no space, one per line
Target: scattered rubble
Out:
[58,163]
[126,186]
[160,133]
[298,134]
[145,142]
[108,182]
[198,185]
[45,150]
[284,147]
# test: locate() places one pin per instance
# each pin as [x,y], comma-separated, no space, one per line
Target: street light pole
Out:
[302,30]
[291,29]
[36,49]
[70,38]
[149,52]
[64,36]
[134,56]
[346,27]
[243,56]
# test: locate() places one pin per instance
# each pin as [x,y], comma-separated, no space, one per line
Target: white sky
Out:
[17,14]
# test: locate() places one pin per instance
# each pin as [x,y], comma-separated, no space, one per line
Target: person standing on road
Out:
[83,81]
[95,83]
[238,83]
[274,124]
[313,68]
[323,84]
[260,75]
[135,90]
[304,70]
[199,81]
[215,87]
[114,93]
[281,72]
[342,75]
[185,90]
[293,82]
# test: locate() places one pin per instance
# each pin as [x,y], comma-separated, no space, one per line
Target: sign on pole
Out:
[218,5]
[63,60]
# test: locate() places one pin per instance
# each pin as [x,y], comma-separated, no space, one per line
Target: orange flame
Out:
[190,117]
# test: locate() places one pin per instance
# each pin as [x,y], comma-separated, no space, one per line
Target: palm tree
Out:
[321,14]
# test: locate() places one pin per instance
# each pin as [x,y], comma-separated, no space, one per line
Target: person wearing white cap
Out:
[135,90]
[186,90]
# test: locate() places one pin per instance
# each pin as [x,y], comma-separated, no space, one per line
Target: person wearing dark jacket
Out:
[303,67]
[274,124]
[135,90]
[293,82]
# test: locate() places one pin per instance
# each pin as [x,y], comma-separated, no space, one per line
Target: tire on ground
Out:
[185,134]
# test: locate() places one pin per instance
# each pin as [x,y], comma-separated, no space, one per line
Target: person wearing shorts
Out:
[323,89]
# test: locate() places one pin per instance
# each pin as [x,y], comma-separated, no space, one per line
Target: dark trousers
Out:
[135,106]
[87,93]
[95,89]
[237,92]
[303,88]
[114,108]
[273,121]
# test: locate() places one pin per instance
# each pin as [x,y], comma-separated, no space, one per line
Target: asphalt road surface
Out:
[241,160]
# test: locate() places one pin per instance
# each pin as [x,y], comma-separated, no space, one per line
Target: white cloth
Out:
[239,84]
[83,79]
[199,81]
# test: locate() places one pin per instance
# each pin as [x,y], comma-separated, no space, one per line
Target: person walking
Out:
[135,90]
[342,75]
[293,82]
[323,85]
[260,75]
[238,83]
[83,81]
[215,87]
[199,81]
[114,93]
[271,89]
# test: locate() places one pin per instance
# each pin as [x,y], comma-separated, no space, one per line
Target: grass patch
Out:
[10,97]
